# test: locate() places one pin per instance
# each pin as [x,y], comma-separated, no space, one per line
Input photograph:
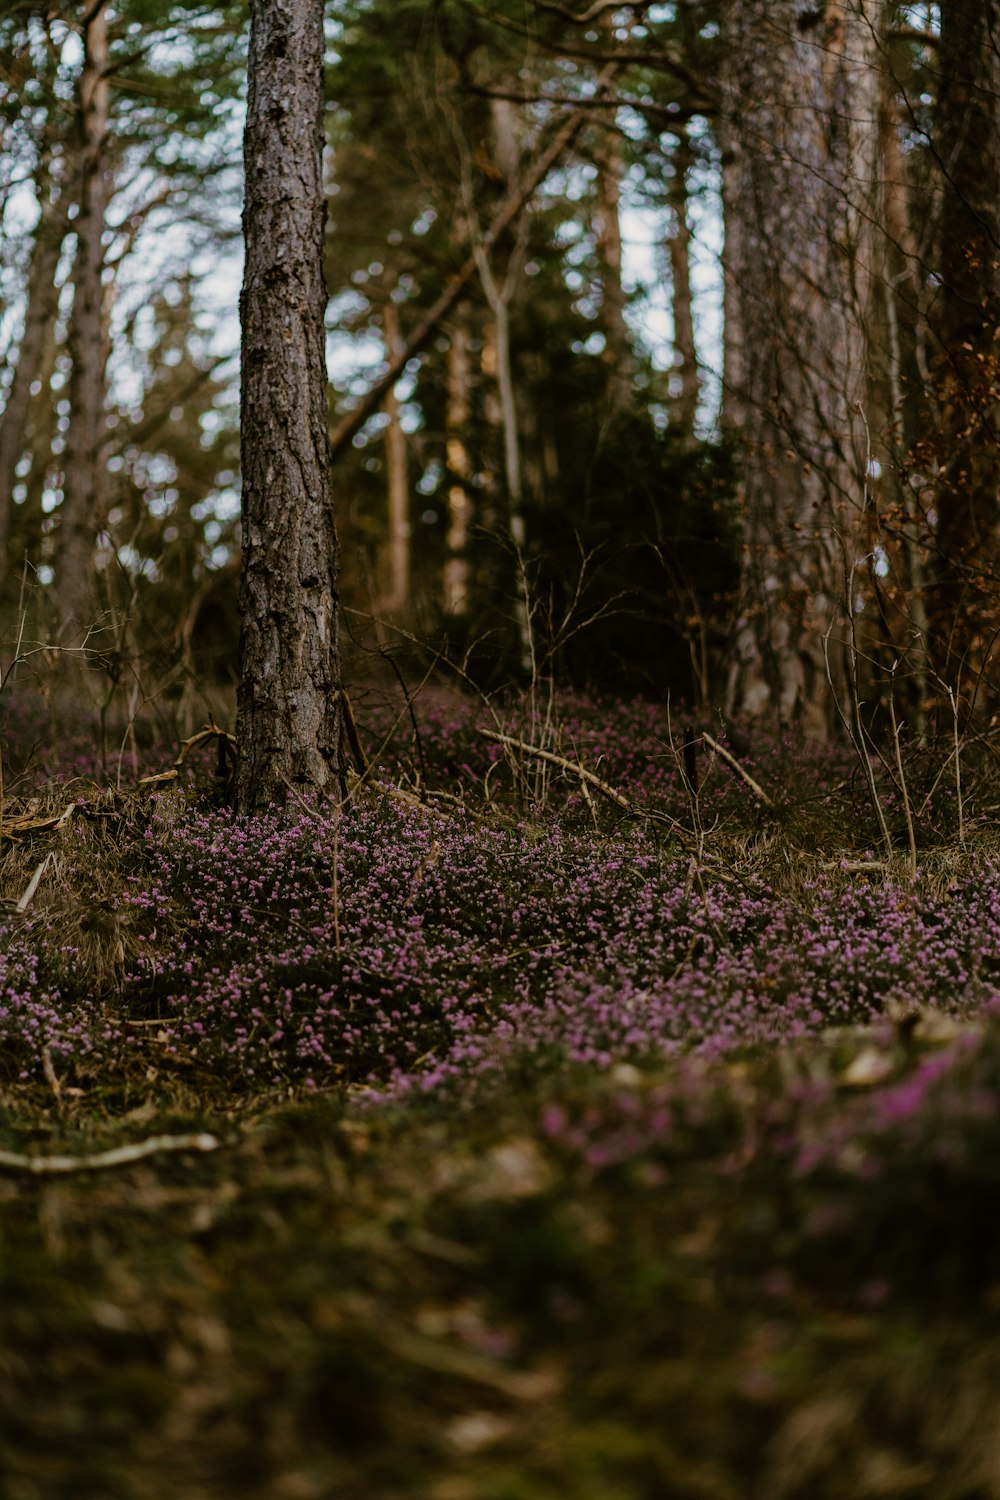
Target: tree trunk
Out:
[41,302]
[289,715]
[456,565]
[84,479]
[618,361]
[500,297]
[802,105]
[397,594]
[684,407]
[900,527]
[963,321]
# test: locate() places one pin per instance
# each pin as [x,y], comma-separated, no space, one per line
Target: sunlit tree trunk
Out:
[684,407]
[396,600]
[965,357]
[456,566]
[289,714]
[801,95]
[41,301]
[84,477]
[500,296]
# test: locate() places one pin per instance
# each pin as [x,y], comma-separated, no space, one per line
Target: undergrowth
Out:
[568,1146]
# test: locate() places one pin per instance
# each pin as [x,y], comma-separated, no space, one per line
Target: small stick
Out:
[52,1166]
[39,825]
[33,884]
[618,798]
[210,732]
[48,1068]
[734,764]
[353,737]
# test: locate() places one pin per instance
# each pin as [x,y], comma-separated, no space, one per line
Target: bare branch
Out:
[119,1156]
[599,8]
[604,787]
[733,763]
[507,214]
[913,34]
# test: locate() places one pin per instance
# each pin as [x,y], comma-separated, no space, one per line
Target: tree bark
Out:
[617,356]
[41,302]
[397,595]
[84,478]
[684,407]
[802,106]
[289,714]
[963,320]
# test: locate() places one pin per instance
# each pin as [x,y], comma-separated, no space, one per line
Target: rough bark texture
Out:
[41,302]
[801,99]
[289,706]
[900,406]
[397,590]
[84,479]
[963,320]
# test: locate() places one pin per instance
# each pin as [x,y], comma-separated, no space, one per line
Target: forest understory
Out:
[624,1134]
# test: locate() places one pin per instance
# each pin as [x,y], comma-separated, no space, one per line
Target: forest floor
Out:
[510,1136]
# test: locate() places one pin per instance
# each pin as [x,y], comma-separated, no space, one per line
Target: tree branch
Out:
[512,206]
[120,1156]
[599,8]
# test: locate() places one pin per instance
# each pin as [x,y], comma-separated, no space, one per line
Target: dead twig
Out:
[606,790]
[734,765]
[119,1156]
[33,884]
[227,742]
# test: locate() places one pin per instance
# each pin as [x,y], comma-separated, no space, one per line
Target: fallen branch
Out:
[14,827]
[119,1156]
[33,884]
[734,765]
[588,778]
[227,742]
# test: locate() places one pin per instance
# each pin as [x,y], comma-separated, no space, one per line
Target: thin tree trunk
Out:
[618,359]
[41,302]
[397,596]
[802,108]
[500,297]
[684,407]
[84,480]
[457,591]
[289,715]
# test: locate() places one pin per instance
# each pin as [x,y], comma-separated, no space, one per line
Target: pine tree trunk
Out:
[289,715]
[965,358]
[397,595]
[41,303]
[684,407]
[84,479]
[901,421]
[802,101]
